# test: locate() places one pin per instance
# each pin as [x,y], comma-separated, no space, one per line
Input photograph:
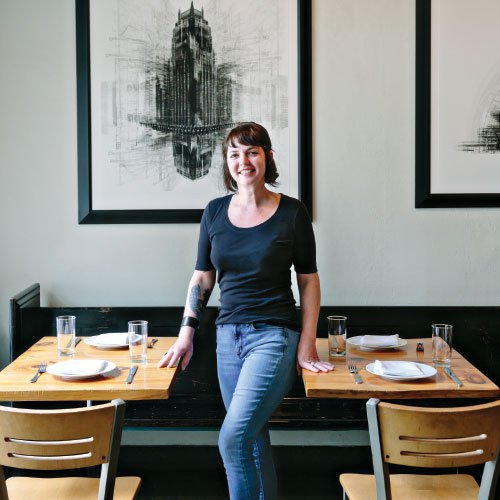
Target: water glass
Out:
[442,336]
[65,327]
[138,341]
[336,335]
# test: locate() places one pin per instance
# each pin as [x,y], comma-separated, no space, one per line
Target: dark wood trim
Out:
[28,298]
[305,104]
[422,103]
[83,110]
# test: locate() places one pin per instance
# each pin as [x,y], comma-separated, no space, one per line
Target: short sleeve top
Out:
[254,264]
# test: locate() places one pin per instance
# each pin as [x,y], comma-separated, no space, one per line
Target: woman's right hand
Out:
[181,350]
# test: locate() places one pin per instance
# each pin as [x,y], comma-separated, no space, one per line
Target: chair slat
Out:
[50,443]
[435,440]
[444,455]
[52,457]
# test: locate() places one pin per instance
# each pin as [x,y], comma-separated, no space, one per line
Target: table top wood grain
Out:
[149,382]
[340,383]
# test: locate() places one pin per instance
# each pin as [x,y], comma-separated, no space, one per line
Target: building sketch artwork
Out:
[182,73]
[488,132]
[189,95]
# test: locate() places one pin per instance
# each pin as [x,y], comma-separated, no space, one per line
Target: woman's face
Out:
[247,164]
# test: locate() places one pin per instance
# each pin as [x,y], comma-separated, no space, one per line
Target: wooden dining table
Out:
[149,382]
[340,382]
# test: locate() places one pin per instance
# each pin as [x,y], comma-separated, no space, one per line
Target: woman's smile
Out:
[246,163]
[246,171]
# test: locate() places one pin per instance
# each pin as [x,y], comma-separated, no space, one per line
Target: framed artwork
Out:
[457,141]
[159,85]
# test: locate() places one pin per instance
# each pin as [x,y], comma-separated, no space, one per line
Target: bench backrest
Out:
[476,336]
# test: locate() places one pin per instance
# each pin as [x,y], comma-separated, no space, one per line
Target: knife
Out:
[453,377]
[131,374]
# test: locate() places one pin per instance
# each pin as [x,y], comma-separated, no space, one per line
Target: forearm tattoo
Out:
[198,299]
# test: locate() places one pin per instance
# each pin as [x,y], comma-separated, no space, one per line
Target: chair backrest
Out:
[435,437]
[63,439]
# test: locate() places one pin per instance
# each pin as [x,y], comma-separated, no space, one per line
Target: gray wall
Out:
[374,247]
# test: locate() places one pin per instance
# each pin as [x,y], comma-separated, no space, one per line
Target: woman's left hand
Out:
[307,357]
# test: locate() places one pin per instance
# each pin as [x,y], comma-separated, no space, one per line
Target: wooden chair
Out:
[429,437]
[64,439]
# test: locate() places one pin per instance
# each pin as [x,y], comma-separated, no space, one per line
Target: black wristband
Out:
[190,321]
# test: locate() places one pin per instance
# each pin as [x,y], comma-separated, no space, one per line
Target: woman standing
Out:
[251,239]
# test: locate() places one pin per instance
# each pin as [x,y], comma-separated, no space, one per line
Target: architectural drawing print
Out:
[169,79]
[457,119]
[488,132]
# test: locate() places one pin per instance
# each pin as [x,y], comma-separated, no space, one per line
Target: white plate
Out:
[427,371]
[109,340]
[77,369]
[357,342]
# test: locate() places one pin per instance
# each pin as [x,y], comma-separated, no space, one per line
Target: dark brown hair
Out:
[249,134]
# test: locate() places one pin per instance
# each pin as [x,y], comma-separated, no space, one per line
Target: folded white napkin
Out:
[380,340]
[112,339]
[397,368]
[82,367]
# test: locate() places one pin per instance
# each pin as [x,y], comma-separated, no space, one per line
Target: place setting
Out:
[388,366]
[338,340]
[119,340]
[411,370]
[72,369]
[105,341]
[81,369]
[400,370]
[377,342]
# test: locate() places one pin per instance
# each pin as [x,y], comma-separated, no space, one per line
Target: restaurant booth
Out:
[318,432]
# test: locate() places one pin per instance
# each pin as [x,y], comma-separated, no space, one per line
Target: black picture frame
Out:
[424,198]
[88,215]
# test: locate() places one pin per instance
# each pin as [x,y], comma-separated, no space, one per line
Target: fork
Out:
[152,343]
[353,369]
[42,368]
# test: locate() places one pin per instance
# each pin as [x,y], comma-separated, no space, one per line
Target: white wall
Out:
[374,247]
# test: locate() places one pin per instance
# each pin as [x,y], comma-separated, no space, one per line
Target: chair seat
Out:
[413,487]
[68,488]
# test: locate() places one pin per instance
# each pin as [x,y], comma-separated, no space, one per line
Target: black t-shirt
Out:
[253,264]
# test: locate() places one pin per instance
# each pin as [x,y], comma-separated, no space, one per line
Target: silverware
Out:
[152,343]
[353,369]
[42,368]
[77,340]
[453,377]
[131,373]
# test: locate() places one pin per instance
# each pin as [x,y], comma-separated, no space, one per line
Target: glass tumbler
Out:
[65,327]
[138,341]
[337,336]
[442,336]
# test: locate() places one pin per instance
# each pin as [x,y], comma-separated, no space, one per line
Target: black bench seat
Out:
[195,399]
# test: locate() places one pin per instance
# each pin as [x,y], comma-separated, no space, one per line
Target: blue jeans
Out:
[256,368]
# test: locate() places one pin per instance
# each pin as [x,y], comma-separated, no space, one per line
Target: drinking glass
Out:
[138,341]
[442,336]
[336,335]
[65,327]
